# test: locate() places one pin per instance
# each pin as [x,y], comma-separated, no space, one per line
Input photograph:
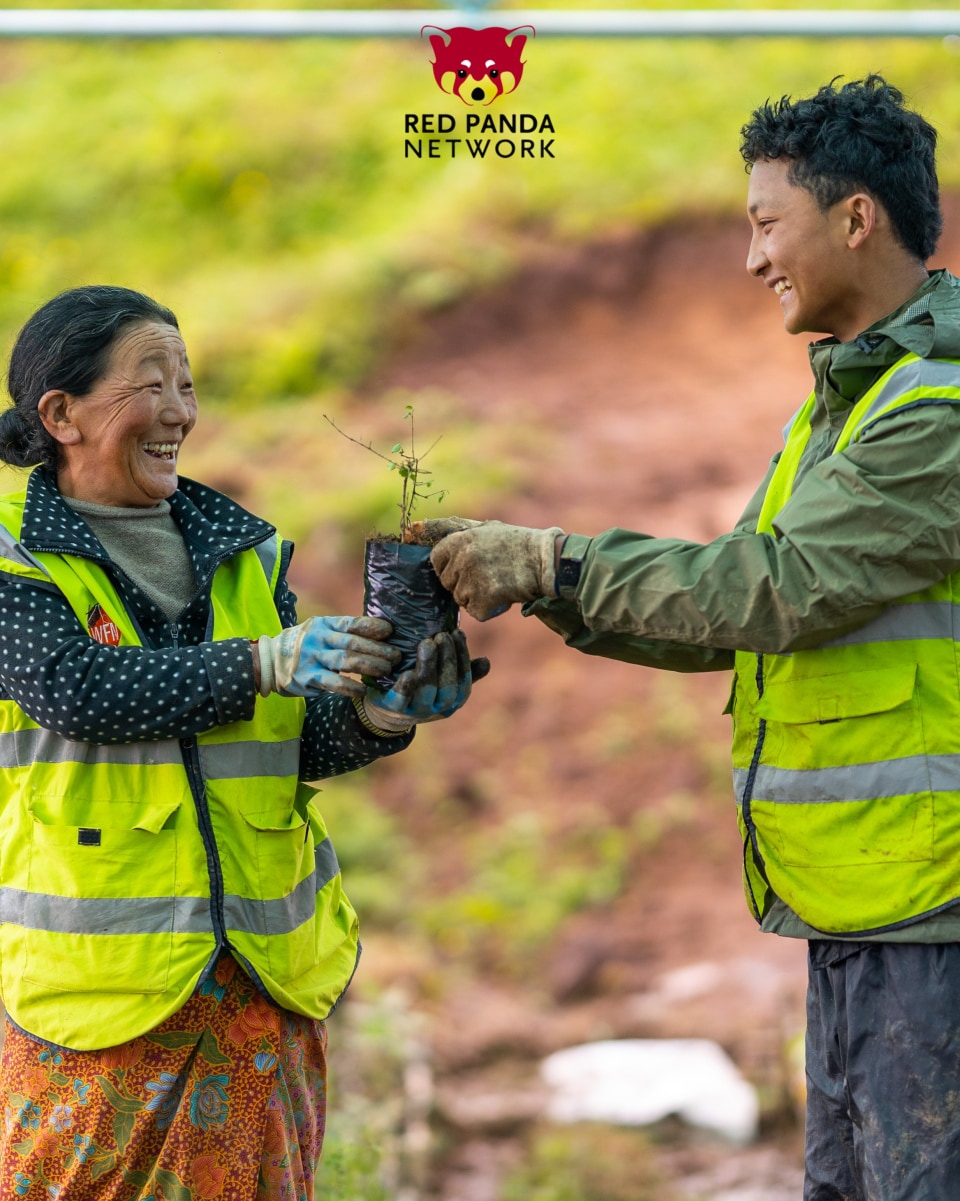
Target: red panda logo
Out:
[478,65]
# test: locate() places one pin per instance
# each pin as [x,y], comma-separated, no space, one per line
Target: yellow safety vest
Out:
[847,756]
[124,867]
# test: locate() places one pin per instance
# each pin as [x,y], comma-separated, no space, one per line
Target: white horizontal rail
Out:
[300,23]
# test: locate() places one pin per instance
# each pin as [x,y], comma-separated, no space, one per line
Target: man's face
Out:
[802,253]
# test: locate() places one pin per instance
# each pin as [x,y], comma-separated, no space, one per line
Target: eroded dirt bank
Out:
[660,377]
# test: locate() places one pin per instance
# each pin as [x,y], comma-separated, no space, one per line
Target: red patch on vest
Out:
[102,627]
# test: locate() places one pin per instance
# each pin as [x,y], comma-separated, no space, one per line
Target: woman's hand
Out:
[310,657]
[438,686]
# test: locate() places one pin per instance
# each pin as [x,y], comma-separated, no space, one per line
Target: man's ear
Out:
[860,213]
[54,410]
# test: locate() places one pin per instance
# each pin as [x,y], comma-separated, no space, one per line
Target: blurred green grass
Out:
[260,187]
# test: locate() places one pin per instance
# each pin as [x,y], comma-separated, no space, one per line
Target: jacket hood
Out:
[928,324]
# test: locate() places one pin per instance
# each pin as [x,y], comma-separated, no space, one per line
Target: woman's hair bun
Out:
[18,442]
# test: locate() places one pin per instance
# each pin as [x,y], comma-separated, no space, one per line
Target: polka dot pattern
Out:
[178,683]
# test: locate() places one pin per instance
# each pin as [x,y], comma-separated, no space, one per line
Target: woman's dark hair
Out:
[857,138]
[65,345]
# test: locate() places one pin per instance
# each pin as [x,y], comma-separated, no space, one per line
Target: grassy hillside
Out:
[260,188]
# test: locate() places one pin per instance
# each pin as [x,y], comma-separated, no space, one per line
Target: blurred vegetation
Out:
[260,189]
[591,1162]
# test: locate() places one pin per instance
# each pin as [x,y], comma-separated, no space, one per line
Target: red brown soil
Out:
[660,378]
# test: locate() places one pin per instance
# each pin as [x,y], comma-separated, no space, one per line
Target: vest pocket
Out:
[99,908]
[844,779]
[284,857]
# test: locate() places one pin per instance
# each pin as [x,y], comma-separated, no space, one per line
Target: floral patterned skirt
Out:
[226,1099]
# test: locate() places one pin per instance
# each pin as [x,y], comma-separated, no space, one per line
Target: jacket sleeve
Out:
[68,683]
[863,528]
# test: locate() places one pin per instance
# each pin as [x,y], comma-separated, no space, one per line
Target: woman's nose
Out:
[176,409]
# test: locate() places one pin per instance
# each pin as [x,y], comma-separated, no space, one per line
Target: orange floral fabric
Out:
[225,1101]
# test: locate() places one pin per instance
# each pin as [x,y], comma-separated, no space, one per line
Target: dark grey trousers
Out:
[883,1072]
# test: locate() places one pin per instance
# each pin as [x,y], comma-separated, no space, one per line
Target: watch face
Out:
[568,573]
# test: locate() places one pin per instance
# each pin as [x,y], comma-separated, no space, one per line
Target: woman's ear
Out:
[54,410]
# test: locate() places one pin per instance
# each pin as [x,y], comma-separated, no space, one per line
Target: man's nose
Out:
[756,259]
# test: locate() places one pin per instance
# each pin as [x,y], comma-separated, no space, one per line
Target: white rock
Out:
[634,1082]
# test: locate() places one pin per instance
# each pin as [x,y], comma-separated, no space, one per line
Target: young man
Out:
[837,601]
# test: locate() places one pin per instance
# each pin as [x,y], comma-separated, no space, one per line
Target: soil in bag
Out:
[400,584]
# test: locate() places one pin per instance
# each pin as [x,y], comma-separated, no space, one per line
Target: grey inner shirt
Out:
[148,546]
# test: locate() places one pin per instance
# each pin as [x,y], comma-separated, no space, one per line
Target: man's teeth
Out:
[161,450]
[781,286]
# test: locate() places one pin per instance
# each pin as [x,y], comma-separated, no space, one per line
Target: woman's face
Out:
[119,443]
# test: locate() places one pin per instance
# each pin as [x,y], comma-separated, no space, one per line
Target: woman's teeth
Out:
[161,450]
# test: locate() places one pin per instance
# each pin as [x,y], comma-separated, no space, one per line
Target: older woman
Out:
[173,926]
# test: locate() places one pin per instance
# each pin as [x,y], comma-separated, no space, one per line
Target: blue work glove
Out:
[438,686]
[310,657]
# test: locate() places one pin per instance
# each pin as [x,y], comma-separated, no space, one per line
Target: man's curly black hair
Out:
[856,138]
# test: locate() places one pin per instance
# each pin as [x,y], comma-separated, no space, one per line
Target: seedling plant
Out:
[416,486]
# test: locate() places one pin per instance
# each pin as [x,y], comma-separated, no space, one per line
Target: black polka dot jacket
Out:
[178,683]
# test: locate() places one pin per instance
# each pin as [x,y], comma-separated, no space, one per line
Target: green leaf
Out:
[99,1166]
[120,1101]
[397,449]
[209,1048]
[59,1079]
[173,1188]
[24,1148]
[123,1130]
[135,1177]
[173,1040]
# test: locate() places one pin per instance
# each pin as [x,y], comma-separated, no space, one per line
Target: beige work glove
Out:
[489,566]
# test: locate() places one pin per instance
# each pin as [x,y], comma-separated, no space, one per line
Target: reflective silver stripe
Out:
[244,760]
[856,782]
[99,915]
[268,552]
[26,747]
[926,373]
[11,549]
[902,623]
[220,761]
[169,915]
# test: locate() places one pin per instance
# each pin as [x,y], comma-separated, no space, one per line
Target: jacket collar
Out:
[928,324]
[213,526]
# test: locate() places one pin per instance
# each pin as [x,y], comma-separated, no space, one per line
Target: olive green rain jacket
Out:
[871,518]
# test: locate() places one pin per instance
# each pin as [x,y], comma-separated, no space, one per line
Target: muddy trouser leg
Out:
[883,1072]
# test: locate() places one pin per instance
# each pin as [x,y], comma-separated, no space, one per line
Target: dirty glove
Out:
[309,658]
[438,686]
[488,566]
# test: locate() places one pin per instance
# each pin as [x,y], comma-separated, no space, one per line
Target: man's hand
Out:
[489,566]
[309,658]
[438,686]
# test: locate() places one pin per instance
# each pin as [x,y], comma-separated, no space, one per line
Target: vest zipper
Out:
[191,762]
[747,797]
